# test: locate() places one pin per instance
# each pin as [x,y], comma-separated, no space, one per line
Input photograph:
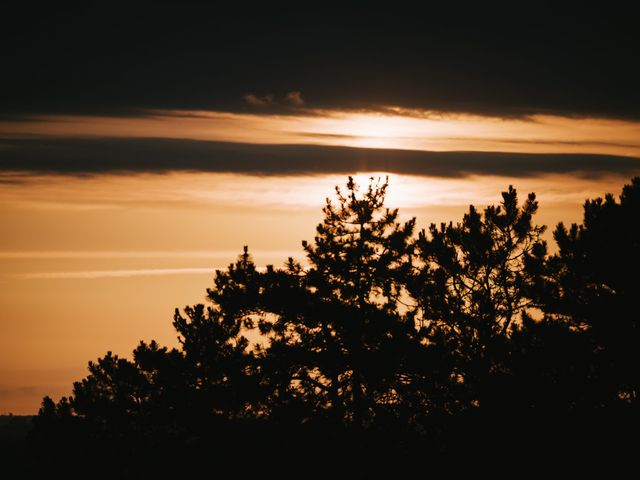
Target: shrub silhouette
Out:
[403,351]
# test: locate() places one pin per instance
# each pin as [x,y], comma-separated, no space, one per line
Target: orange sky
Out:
[97,263]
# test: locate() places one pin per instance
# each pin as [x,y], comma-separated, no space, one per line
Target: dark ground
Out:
[537,447]
[13,433]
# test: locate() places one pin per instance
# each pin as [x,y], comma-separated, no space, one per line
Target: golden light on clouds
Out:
[401,129]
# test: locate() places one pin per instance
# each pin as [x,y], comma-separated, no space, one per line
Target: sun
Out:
[365,130]
[378,131]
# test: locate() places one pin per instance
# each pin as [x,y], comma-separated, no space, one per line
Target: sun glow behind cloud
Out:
[66,227]
[393,128]
[236,192]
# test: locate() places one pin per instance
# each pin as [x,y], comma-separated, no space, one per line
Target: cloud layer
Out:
[105,155]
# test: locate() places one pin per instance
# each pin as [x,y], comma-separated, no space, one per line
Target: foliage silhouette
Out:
[472,287]
[592,284]
[383,350]
[334,328]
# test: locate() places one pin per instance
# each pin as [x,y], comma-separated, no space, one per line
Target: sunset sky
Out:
[142,146]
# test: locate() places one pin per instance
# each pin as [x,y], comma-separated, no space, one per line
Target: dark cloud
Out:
[256,101]
[533,141]
[99,155]
[339,136]
[294,98]
[510,60]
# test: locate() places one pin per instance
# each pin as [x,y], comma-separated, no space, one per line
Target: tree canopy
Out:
[387,340]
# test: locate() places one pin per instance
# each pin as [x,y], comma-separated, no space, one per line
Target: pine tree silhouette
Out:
[380,351]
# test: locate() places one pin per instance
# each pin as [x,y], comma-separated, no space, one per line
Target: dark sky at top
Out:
[107,58]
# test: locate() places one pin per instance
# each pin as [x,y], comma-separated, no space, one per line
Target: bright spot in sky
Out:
[414,130]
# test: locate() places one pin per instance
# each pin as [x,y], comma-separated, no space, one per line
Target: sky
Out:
[142,146]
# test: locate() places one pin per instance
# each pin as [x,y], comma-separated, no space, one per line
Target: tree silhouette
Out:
[472,284]
[220,367]
[593,283]
[401,351]
[335,327]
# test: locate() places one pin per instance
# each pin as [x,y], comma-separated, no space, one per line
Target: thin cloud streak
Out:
[98,274]
[86,255]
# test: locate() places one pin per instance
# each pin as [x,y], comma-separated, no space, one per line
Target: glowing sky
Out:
[97,263]
[395,128]
[141,146]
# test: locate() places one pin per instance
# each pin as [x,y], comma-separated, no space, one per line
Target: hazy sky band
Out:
[97,274]
[98,254]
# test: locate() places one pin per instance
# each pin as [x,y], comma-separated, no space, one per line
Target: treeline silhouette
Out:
[463,346]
